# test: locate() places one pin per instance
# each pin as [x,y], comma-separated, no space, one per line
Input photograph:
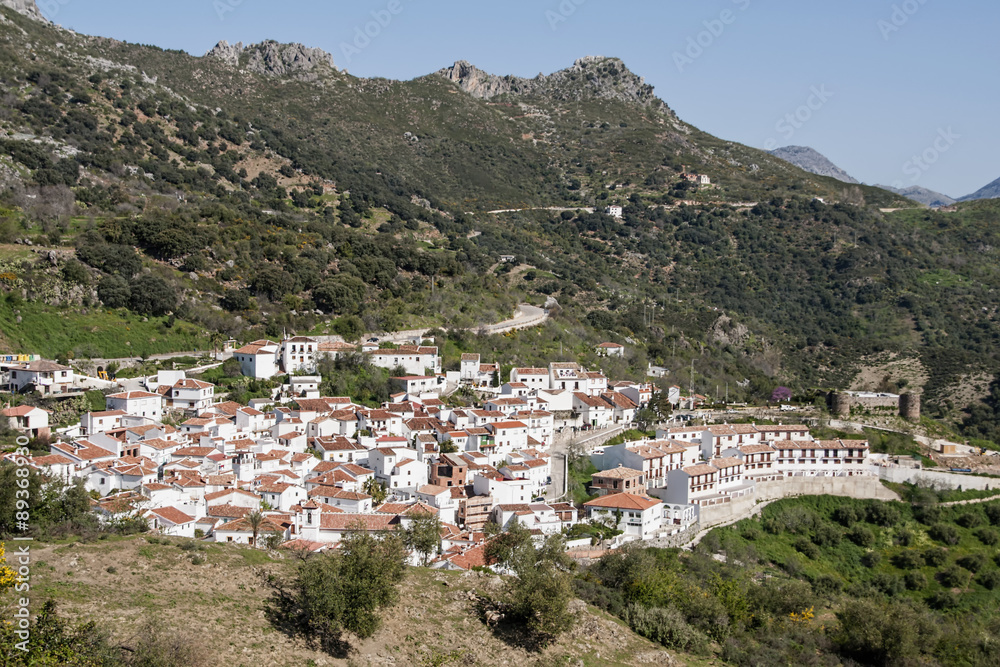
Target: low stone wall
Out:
[944,480]
[675,541]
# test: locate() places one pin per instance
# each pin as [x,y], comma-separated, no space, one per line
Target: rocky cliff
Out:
[26,7]
[589,78]
[273,59]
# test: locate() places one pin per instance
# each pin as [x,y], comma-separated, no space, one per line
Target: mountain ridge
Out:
[921,195]
[814,162]
[988,191]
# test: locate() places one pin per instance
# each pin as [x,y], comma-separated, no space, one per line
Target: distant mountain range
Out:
[921,195]
[991,191]
[814,162]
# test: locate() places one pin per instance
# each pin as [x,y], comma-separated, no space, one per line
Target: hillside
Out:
[214,607]
[156,201]
[813,161]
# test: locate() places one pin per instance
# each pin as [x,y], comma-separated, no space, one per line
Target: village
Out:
[301,470]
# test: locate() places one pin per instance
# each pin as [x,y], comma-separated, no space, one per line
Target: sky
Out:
[896,92]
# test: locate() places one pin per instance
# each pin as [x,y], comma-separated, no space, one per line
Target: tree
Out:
[342,591]
[376,490]
[114,292]
[152,295]
[781,394]
[255,520]
[423,536]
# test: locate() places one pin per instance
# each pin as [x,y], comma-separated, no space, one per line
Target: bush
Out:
[993,513]
[973,562]
[943,600]
[861,536]
[847,515]
[871,559]
[882,514]
[969,520]
[915,581]
[988,536]
[953,577]
[945,533]
[928,515]
[888,584]
[883,633]
[152,295]
[807,548]
[827,584]
[667,627]
[989,579]
[935,556]
[827,535]
[908,560]
[114,292]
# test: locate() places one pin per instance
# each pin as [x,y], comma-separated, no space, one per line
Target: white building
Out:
[259,359]
[636,516]
[29,420]
[136,403]
[45,377]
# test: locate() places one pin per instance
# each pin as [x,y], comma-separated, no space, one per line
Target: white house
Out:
[190,395]
[299,354]
[414,360]
[259,359]
[137,403]
[637,516]
[615,211]
[46,377]
[533,378]
[29,420]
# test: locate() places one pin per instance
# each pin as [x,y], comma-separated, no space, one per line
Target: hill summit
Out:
[592,77]
[272,58]
[814,162]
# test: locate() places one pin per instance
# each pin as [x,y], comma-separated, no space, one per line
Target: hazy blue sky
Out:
[888,80]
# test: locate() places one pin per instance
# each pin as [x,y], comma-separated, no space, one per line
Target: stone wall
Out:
[944,480]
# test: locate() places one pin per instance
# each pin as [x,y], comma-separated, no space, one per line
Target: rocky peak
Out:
[588,78]
[26,7]
[272,58]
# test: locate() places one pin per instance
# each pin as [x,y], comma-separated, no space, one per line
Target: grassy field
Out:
[53,332]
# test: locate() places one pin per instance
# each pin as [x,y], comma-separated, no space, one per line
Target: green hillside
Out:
[176,197]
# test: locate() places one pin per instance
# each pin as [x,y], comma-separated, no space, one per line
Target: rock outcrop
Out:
[273,59]
[589,78]
[26,7]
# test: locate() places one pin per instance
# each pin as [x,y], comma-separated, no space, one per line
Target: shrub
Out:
[751,530]
[943,600]
[935,556]
[889,584]
[904,537]
[989,579]
[993,513]
[667,627]
[871,559]
[953,577]
[827,584]
[882,514]
[908,560]
[973,562]
[112,569]
[806,548]
[847,515]
[928,515]
[970,519]
[861,536]
[915,581]
[988,536]
[827,535]
[945,533]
